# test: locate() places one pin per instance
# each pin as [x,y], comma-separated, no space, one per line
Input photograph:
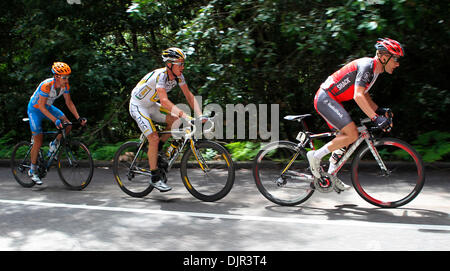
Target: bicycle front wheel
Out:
[282,175]
[131,170]
[391,181]
[207,173]
[21,163]
[75,165]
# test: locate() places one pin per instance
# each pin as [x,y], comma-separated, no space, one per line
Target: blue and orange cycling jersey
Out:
[47,89]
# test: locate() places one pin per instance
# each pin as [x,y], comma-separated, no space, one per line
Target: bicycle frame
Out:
[306,138]
[41,157]
[187,134]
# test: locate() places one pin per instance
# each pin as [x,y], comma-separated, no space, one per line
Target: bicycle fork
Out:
[376,155]
[198,156]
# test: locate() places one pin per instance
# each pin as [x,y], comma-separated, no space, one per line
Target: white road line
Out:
[234,217]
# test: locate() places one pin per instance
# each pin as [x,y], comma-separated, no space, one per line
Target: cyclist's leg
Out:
[162,115]
[346,136]
[338,118]
[143,118]
[35,117]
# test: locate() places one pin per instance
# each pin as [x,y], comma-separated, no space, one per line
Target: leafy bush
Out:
[433,146]
[243,150]
[104,152]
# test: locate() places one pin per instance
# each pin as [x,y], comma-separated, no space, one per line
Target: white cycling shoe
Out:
[161,186]
[35,178]
[341,185]
[314,164]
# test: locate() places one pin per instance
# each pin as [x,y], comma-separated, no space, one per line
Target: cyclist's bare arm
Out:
[167,104]
[71,105]
[364,103]
[372,104]
[191,99]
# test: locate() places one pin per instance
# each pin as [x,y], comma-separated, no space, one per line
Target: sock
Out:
[155,175]
[332,167]
[320,153]
[34,168]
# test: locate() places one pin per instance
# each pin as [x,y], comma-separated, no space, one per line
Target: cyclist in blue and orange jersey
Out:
[41,106]
[144,106]
[352,81]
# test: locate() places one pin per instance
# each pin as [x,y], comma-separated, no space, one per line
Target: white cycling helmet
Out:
[173,54]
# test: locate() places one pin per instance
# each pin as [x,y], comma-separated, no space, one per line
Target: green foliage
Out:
[243,150]
[433,146]
[239,51]
[7,142]
[104,152]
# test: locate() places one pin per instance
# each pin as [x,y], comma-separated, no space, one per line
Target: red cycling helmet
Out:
[61,68]
[390,45]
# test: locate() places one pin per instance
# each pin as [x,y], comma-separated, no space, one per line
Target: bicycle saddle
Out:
[297,117]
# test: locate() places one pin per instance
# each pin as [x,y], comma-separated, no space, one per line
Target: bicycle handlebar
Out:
[193,122]
[66,124]
[376,128]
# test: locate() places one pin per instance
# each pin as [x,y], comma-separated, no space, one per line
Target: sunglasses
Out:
[63,76]
[396,58]
[178,63]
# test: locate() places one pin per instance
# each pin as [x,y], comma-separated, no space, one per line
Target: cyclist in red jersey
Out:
[352,81]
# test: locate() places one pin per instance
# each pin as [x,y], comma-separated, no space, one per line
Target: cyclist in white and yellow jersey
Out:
[145,109]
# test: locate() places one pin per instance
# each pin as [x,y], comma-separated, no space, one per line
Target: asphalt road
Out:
[102,217]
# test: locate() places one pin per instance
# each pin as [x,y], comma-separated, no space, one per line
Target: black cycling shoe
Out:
[157,183]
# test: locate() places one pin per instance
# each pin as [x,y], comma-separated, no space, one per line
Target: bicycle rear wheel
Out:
[75,165]
[128,176]
[21,163]
[399,184]
[207,174]
[282,174]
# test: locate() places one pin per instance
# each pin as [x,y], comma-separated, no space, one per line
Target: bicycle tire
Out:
[19,166]
[75,165]
[218,179]
[134,185]
[400,185]
[289,188]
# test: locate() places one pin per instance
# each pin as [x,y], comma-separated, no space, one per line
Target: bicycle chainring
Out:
[326,183]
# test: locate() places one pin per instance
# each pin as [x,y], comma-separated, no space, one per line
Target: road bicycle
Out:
[386,172]
[73,161]
[206,167]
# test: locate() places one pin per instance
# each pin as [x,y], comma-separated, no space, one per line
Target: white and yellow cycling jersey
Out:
[144,94]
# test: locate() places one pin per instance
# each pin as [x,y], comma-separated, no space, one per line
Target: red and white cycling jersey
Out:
[340,86]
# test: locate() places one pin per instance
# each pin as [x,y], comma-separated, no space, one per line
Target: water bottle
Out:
[337,155]
[172,149]
[52,148]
